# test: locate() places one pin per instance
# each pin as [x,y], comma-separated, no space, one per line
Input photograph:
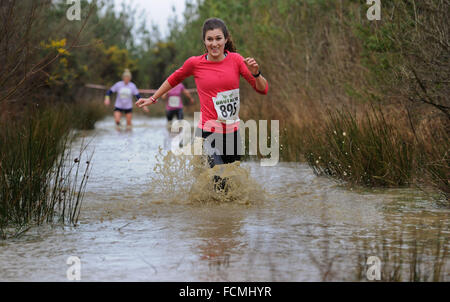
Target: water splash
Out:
[187,179]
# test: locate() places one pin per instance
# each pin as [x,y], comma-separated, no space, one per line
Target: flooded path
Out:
[304,224]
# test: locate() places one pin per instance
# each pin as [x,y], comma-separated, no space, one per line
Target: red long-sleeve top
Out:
[216,80]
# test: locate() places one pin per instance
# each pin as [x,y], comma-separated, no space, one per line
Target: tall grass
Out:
[369,151]
[434,160]
[85,114]
[40,181]
[371,147]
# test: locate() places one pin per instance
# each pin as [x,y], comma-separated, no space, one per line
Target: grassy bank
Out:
[40,179]
[45,70]
[375,149]
[369,146]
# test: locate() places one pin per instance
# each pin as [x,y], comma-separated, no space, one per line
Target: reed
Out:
[40,180]
[369,151]
[86,113]
[434,161]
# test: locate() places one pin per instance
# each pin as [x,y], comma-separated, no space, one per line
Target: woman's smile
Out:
[215,43]
[215,50]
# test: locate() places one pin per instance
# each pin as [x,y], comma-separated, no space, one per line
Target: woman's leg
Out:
[117,117]
[180,114]
[232,150]
[233,142]
[216,147]
[170,114]
[209,147]
[129,117]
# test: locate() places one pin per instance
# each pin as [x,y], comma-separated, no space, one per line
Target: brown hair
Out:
[215,23]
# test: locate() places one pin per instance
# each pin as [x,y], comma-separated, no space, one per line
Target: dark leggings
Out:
[176,112]
[216,147]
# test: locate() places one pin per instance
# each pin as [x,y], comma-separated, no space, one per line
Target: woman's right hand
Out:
[144,102]
[107,101]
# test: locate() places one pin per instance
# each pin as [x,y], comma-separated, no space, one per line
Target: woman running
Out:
[217,75]
[174,105]
[125,90]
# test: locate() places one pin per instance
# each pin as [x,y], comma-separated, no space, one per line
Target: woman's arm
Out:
[188,95]
[261,83]
[176,78]
[253,67]
[165,87]
[108,94]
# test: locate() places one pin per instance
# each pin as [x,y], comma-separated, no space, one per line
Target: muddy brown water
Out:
[132,230]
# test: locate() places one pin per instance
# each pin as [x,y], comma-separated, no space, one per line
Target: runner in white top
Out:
[125,90]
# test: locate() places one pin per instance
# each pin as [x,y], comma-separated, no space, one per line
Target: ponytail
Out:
[230,44]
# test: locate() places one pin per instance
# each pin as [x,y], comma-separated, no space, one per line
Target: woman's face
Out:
[215,43]
[126,79]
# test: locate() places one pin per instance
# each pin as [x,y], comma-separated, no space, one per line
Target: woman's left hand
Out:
[252,65]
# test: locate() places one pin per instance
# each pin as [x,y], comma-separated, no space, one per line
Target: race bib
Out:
[227,105]
[125,93]
[174,101]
